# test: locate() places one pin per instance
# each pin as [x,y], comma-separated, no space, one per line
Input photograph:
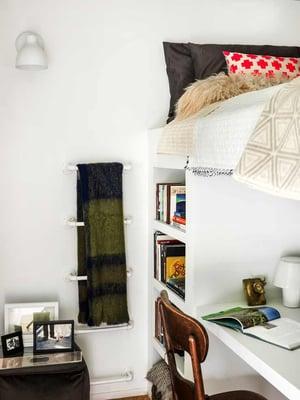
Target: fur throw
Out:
[218,88]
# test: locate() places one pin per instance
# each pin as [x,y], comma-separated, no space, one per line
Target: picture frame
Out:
[12,344]
[53,337]
[20,316]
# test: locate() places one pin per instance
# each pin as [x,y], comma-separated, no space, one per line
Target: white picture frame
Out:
[21,314]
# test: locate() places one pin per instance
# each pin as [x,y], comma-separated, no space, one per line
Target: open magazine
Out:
[264,323]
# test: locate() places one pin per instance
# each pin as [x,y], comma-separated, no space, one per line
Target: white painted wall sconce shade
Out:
[287,277]
[31,55]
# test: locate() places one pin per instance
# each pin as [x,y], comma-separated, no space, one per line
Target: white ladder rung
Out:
[73,168]
[126,377]
[74,223]
[74,277]
[84,329]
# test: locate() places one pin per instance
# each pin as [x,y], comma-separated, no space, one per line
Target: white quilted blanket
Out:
[217,136]
[254,136]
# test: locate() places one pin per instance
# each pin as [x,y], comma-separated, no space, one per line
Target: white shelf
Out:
[176,233]
[169,162]
[159,348]
[174,298]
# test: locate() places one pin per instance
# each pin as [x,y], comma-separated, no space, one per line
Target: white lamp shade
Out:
[31,54]
[287,275]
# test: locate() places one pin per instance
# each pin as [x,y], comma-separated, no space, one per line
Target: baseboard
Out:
[119,394]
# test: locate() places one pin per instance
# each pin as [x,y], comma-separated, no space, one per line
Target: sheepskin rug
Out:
[218,88]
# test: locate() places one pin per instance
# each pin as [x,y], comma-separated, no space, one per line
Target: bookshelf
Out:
[232,232]
[163,169]
[176,233]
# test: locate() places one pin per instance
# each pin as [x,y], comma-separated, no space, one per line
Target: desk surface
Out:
[278,366]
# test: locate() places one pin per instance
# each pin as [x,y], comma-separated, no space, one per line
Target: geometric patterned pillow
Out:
[268,66]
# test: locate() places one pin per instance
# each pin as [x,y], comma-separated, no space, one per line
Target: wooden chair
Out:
[183,332]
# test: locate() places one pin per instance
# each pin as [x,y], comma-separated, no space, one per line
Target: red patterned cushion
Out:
[253,64]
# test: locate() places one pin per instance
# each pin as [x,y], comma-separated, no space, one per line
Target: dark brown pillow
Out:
[187,62]
[180,71]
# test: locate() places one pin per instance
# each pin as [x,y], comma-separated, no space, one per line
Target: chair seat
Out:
[237,395]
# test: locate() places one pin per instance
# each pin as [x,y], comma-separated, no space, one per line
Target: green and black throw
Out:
[101,245]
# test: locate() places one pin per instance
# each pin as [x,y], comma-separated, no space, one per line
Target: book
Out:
[167,251]
[179,220]
[175,267]
[169,262]
[159,239]
[264,323]
[177,201]
[177,285]
[163,199]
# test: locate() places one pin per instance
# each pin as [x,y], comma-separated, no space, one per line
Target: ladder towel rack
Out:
[126,377]
[81,330]
[74,223]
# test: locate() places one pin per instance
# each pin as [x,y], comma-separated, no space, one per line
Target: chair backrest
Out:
[182,332]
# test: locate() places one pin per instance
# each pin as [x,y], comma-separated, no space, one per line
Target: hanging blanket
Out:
[101,246]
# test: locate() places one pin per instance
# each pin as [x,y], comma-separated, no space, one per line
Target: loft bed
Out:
[233,232]
[246,124]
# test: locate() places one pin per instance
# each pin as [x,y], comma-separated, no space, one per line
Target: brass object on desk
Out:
[254,289]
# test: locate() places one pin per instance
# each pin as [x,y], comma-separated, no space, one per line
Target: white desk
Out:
[278,366]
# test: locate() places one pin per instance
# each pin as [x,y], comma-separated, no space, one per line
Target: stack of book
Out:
[170,204]
[169,262]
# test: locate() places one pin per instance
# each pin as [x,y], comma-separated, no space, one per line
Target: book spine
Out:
[179,220]
[176,290]
[163,263]
[172,204]
[157,202]
[168,220]
[158,261]
[165,218]
[161,196]
[156,234]
[168,241]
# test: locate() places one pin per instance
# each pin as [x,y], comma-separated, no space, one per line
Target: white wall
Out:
[105,85]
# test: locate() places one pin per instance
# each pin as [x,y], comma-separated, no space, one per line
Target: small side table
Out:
[47,382]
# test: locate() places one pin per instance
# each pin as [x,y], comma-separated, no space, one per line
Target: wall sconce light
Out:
[31,55]
[287,277]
